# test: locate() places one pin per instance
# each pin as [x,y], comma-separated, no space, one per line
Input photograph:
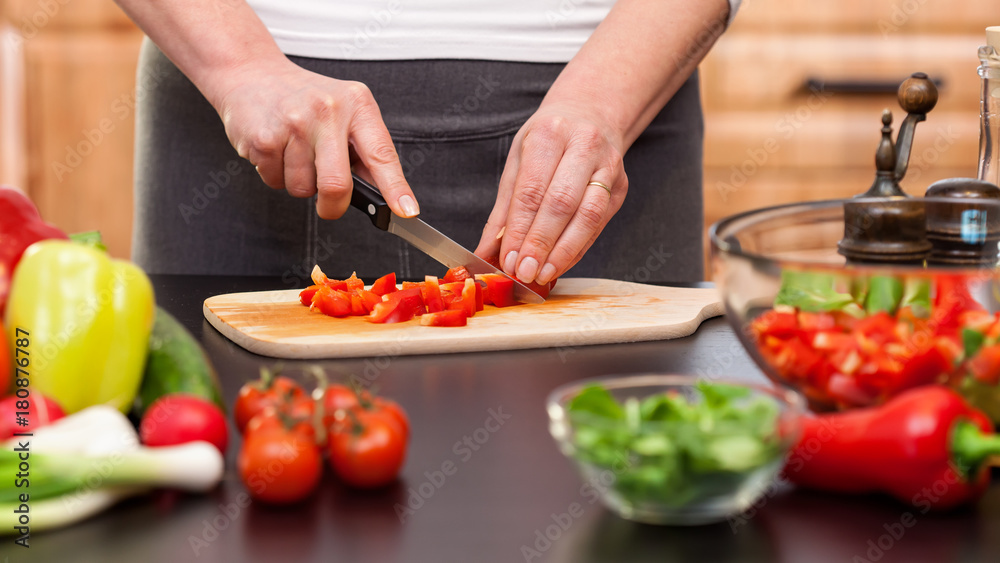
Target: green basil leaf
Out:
[972,341]
[884,294]
[917,296]
[811,291]
[597,400]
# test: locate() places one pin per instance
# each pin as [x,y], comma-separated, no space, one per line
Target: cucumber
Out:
[176,363]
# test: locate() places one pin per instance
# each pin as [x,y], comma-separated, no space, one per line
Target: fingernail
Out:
[546,275]
[526,271]
[409,206]
[510,261]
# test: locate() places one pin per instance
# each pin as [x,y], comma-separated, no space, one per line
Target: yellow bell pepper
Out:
[87,318]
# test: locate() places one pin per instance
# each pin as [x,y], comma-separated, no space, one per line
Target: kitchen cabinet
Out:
[793,93]
[66,123]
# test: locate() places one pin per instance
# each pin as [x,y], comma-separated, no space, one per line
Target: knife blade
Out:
[427,239]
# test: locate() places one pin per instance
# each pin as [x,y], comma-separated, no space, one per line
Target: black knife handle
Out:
[368,199]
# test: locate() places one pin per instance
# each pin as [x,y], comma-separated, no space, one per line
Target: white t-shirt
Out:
[506,30]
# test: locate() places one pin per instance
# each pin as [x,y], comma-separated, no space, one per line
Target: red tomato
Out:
[278,465]
[393,409]
[385,284]
[337,398]
[41,411]
[268,391]
[179,419]
[453,317]
[368,449]
[271,418]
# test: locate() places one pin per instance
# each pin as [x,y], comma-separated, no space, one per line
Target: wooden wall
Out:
[66,128]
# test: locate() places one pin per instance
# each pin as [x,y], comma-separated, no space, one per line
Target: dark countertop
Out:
[505,494]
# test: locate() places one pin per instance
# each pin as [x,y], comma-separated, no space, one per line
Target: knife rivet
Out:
[371,209]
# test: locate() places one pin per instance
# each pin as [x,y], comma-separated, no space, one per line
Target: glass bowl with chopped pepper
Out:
[852,302]
[675,449]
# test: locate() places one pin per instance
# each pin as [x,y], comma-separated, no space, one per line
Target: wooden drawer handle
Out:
[858,87]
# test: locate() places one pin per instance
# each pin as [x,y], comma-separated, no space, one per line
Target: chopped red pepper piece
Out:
[354,282]
[445,318]
[985,366]
[385,284]
[469,297]
[391,312]
[432,295]
[368,299]
[410,298]
[306,295]
[459,274]
[499,289]
[332,302]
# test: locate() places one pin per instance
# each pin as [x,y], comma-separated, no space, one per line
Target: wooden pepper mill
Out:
[884,225]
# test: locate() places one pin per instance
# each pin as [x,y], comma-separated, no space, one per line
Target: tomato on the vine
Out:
[267,391]
[394,410]
[336,398]
[367,449]
[279,464]
[272,418]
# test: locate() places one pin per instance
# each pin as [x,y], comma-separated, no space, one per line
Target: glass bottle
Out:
[989,132]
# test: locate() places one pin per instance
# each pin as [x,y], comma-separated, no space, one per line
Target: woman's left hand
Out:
[563,181]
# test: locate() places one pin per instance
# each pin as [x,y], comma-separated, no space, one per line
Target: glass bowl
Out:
[850,335]
[660,462]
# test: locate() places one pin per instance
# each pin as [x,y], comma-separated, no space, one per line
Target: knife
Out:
[427,239]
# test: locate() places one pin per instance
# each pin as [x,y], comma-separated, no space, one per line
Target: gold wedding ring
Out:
[600,185]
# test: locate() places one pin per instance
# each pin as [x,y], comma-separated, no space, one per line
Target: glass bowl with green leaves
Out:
[675,449]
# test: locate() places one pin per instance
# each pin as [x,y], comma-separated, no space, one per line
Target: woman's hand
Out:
[304,131]
[562,183]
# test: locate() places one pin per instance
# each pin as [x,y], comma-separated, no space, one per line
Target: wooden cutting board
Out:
[579,311]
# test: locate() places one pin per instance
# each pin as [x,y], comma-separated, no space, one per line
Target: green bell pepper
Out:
[88,319]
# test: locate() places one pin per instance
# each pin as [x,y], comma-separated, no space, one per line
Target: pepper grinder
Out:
[884,225]
[963,222]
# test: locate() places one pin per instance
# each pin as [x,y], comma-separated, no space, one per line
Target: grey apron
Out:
[201,209]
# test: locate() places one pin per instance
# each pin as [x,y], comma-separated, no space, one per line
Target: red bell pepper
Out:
[432,295]
[385,284]
[332,302]
[307,294]
[499,290]
[469,297]
[458,274]
[926,447]
[20,227]
[452,317]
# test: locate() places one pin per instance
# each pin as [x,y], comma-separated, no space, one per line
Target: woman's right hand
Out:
[304,131]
